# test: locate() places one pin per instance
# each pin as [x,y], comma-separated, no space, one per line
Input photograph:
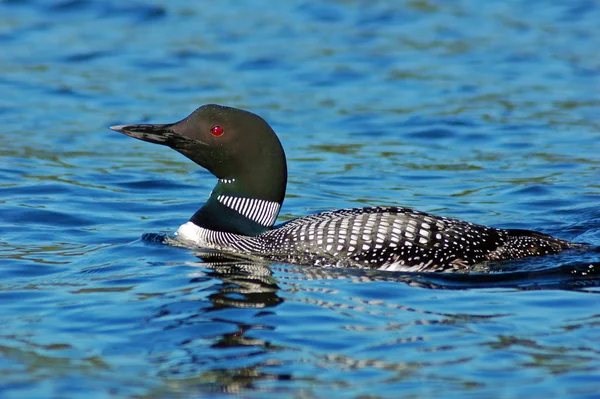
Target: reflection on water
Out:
[256,287]
[241,359]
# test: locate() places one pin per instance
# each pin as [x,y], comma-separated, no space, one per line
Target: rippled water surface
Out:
[486,111]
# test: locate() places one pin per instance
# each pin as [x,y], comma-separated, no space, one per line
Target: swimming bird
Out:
[242,150]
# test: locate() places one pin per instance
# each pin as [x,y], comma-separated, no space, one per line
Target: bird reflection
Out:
[246,284]
[224,333]
[252,278]
[257,277]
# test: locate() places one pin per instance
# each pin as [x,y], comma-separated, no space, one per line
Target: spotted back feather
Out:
[386,238]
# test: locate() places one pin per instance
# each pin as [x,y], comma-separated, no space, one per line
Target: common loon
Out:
[244,153]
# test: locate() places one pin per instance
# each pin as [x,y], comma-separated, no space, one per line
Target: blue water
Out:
[485,111]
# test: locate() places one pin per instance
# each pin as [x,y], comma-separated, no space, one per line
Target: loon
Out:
[242,150]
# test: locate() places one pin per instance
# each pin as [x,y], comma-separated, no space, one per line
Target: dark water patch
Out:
[33,217]
[142,12]
[518,145]
[139,10]
[205,55]
[206,88]
[443,167]
[369,132]
[322,12]
[588,217]
[579,10]
[85,56]
[568,277]
[433,134]
[69,5]
[542,203]
[153,184]
[67,91]
[17,2]
[385,15]
[261,64]
[420,177]
[427,122]
[46,88]
[338,77]
[533,190]
[29,264]
[11,296]
[157,64]
[476,138]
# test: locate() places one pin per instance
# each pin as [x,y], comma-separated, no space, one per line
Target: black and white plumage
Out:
[260,211]
[242,150]
[384,238]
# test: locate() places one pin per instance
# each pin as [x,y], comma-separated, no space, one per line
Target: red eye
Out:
[217,131]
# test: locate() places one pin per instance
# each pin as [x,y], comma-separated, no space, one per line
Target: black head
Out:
[237,146]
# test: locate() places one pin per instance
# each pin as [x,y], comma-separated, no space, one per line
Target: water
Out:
[486,111]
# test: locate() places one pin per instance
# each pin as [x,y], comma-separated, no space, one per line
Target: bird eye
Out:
[217,131]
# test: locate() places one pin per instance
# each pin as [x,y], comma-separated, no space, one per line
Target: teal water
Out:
[485,111]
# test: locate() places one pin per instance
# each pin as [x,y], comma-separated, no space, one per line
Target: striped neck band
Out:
[260,211]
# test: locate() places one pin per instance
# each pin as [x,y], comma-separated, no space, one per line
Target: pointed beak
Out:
[165,134]
[158,134]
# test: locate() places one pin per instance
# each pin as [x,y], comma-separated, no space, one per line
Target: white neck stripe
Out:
[261,211]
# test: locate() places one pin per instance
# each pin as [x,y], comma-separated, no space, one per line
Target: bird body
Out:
[244,153]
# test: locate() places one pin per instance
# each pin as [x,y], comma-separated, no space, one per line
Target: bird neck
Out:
[231,208]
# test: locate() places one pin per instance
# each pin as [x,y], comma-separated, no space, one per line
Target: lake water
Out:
[485,111]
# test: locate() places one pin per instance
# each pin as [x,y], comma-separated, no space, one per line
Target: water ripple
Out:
[484,111]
